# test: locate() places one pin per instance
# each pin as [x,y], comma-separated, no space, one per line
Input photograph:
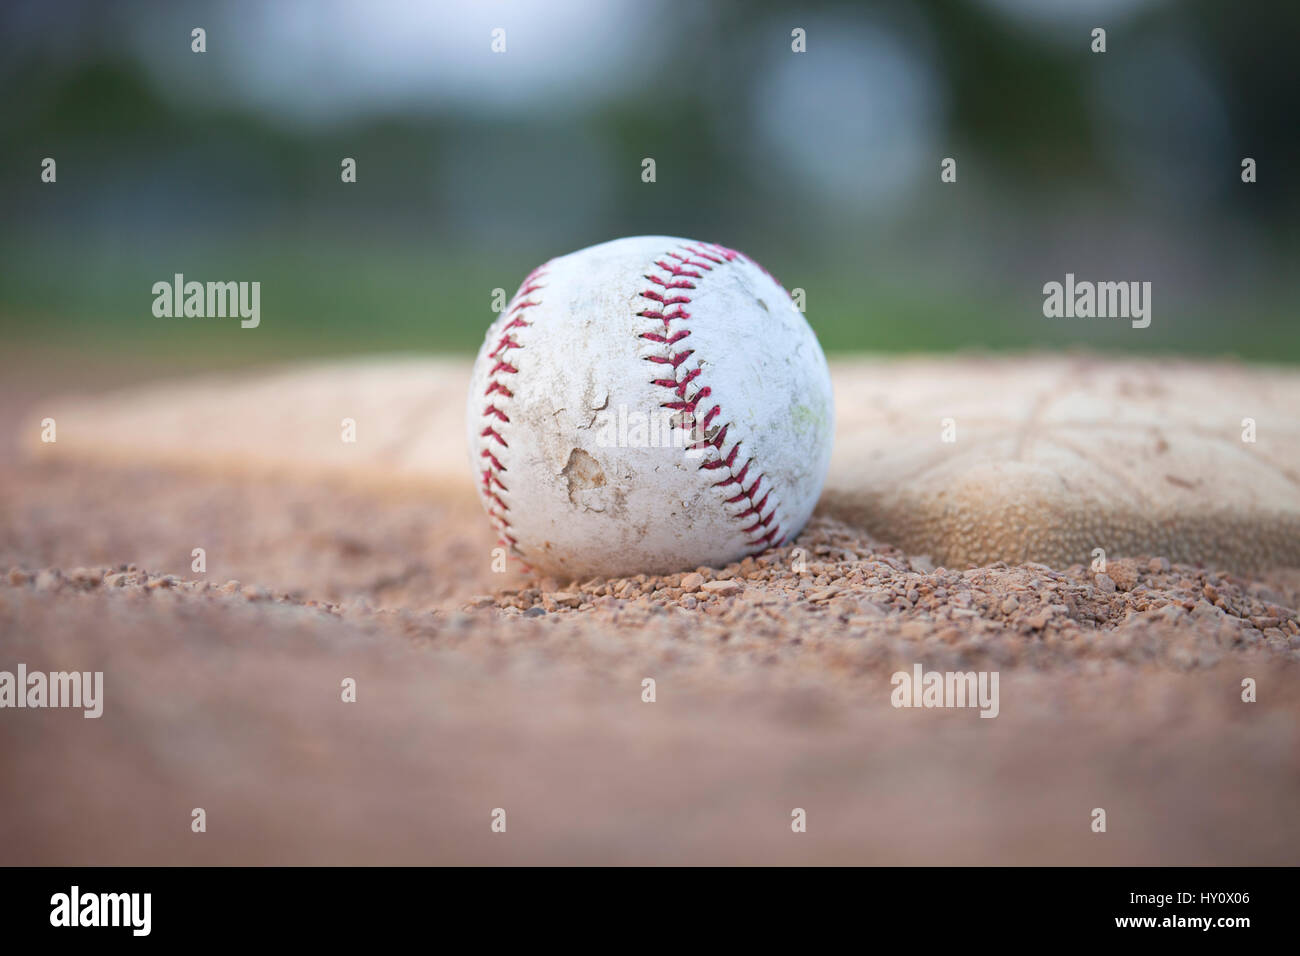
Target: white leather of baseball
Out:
[600,341]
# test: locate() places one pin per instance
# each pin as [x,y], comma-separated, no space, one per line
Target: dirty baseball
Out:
[650,404]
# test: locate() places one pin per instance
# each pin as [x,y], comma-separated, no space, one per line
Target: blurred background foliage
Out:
[475,166]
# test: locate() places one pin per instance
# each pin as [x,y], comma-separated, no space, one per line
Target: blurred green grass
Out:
[326,298]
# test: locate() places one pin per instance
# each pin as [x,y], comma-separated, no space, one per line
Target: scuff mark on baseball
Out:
[650,404]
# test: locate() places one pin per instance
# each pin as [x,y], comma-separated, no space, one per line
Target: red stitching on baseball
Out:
[490,479]
[691,266]
[666,339]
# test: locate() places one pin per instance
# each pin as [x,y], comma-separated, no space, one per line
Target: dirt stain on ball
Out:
[582,473]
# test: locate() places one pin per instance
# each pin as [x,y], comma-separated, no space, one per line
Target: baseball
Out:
[650,405]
